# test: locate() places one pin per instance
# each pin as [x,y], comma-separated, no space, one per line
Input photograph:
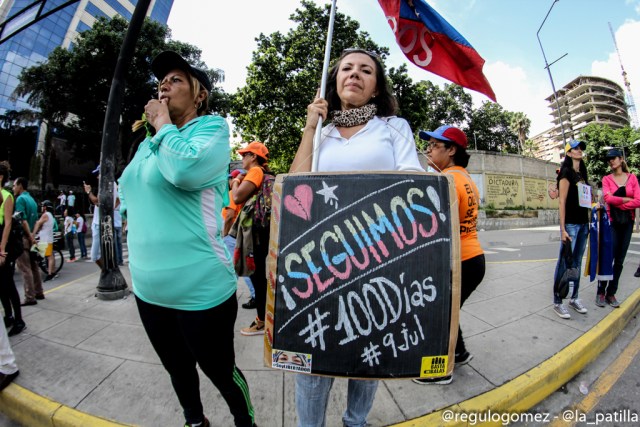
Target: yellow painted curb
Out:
[530,388]
[33,410]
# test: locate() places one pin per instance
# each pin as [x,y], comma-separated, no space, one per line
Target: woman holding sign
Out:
[575,209]
[622,196]
[447,153]
[363,135]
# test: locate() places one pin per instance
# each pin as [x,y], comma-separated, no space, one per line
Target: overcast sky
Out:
[502,31]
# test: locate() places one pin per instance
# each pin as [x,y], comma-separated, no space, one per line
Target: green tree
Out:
[18,140]
[284,76]
[71,88]
[598,137]
[519,124]
[412,102]
[489,125]
[529,149]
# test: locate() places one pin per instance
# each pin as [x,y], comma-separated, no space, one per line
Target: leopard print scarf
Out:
[354,117]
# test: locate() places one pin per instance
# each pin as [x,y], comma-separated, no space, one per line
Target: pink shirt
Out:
[609,186]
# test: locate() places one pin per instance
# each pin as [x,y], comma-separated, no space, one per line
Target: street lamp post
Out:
[112,284]
[548,67]
[475,141]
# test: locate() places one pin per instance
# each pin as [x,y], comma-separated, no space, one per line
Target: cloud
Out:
[515,92]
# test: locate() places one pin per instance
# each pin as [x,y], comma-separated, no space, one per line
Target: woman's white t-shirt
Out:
[384,144]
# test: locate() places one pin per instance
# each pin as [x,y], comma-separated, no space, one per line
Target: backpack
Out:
[15,246]
[570,276]
[262,212]
[84,226]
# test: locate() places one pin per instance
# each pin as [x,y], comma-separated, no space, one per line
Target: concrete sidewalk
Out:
[84,361]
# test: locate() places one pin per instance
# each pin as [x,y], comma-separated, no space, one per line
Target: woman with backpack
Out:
[243,188]
[575,209]
[622,196]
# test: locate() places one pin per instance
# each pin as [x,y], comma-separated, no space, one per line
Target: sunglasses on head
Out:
[349,50]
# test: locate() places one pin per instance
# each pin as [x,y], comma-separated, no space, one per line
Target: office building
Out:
[34,44]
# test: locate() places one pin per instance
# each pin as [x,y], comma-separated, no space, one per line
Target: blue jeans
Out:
[312,395]
[579,234]
[230,242]
[118,241]
[70,237]
[621,238]
[95,242]
[82,244]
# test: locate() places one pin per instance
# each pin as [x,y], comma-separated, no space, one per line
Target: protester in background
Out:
[96,251]
[622,197]
[70,233]
[363,135]
[229,214]
[62,202]
[44,230]
[8,368]
[81,230]
[574,220]
[254,160]
[8,292]
[172,194]
[28,208]
[71,199]
[95,223]
[447,153]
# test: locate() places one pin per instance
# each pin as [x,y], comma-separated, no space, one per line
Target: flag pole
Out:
[323,86]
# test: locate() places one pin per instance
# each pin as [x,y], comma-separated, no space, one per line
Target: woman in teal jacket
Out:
[172,194]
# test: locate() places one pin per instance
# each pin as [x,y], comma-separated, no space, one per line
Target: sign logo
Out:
[434,366]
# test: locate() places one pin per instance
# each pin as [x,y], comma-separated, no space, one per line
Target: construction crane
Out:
[631,106]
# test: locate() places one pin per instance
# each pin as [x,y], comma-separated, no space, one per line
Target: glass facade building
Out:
[33,45]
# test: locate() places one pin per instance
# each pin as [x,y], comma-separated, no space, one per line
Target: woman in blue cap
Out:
[575,207]
[622,196]
[172,193]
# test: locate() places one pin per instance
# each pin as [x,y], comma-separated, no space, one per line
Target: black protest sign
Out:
[360,274]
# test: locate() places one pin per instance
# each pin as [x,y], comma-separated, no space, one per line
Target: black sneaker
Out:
[463,358]
[637,273]
[205,423]
[18,327]
[49,277]
[8,321]
[440,380]
[249,304]
[5,379]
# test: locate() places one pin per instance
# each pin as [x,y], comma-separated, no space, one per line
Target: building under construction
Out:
[584,100]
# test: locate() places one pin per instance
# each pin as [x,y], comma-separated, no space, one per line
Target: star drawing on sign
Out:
[329,195]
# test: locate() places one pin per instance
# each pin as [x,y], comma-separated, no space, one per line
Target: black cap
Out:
[614,152]
[169,60]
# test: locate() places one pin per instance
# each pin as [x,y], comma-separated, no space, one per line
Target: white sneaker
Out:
[577,305]
[561,311]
